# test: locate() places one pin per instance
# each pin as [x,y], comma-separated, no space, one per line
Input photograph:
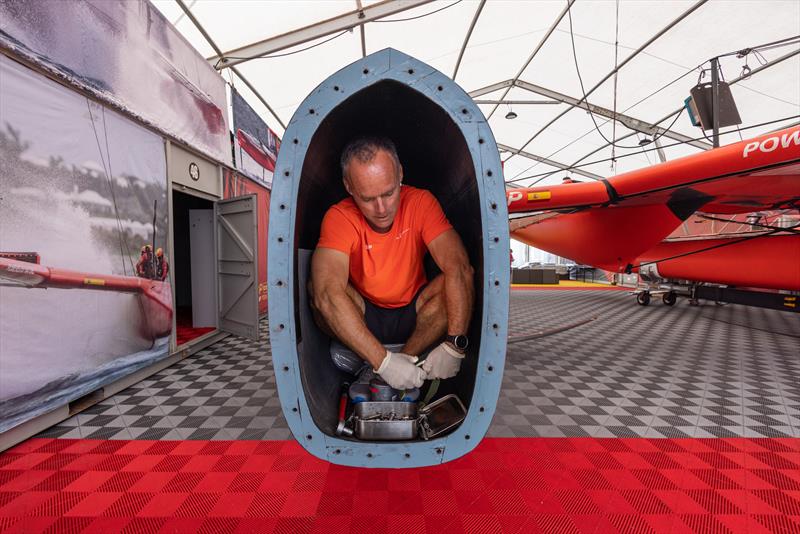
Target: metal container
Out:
[385,421]
[438,417]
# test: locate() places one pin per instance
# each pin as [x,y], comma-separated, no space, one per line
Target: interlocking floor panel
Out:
[520,485]
[630,371]
[224,392]
[653,371]
[534,311]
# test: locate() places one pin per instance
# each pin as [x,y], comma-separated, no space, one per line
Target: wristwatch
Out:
[460,342]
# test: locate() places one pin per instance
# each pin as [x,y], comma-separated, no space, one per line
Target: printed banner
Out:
[129,55]
[255,145]
[83,219]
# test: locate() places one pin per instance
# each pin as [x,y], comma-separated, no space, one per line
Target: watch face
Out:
[461,342]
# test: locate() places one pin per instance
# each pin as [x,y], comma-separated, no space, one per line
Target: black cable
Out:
[287,53]
[421,16]
[549,332]
[707,138]
[583,91]
[790,229]
[336,36]
[548,173]
[751,327]
[644,151]
[786,41]
[609,120]
[740,53]
[616,76]
[110,184]
[113,190]
[679,78]
[759,50]
[110,178]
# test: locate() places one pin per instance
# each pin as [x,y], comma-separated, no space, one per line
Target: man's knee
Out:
[357,299]
[434,308]
[351,292]
[433,294]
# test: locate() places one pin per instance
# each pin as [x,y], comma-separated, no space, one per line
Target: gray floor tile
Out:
[658,371]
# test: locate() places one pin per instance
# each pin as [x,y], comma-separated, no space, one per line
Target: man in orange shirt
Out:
[368,285]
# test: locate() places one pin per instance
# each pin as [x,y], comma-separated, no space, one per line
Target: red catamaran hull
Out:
[155,296]
[619,222]
[758,263]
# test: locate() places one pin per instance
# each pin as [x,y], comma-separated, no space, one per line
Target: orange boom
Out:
[155,295]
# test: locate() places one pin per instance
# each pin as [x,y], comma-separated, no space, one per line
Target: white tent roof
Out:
[505,36]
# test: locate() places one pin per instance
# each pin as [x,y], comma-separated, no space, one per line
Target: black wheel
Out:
[669,298]
[643,298]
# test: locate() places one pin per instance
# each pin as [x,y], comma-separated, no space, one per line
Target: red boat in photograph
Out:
[622,222]
[155,296]
[256,150]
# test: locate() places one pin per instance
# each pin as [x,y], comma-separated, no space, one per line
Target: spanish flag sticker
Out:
[539,195]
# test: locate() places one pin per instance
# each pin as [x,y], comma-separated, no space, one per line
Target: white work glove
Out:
[398,370]
[443,362]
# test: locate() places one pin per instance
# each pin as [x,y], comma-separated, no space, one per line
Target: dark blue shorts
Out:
[392,325]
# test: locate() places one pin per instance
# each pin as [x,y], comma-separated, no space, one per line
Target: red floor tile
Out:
[506,485]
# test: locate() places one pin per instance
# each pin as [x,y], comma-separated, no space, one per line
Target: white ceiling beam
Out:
[626,120]
[613,71]
[515,102]
[547,35]
[491,88]
[299,36]
[188,12]
[183,14]
[760,68]
[550,162]
[466,39]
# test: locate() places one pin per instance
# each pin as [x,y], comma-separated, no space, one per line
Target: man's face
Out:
[375,188]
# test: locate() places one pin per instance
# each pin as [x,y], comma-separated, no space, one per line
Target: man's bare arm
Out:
[449,254]
[330,270]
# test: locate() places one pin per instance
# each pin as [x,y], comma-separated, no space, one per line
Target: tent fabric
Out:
[649,87]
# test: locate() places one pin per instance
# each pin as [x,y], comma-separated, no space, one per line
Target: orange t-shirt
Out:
[386,268]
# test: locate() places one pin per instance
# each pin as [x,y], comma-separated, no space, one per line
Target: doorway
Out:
[193,267]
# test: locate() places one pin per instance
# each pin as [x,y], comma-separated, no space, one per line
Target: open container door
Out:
[236,229]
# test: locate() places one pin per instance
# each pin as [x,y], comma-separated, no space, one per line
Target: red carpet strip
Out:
[184,332]
[505,485]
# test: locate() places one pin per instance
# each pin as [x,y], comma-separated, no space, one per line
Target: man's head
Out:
[159,252]
[372,175]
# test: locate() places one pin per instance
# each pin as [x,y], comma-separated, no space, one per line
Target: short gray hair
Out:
[364,150]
